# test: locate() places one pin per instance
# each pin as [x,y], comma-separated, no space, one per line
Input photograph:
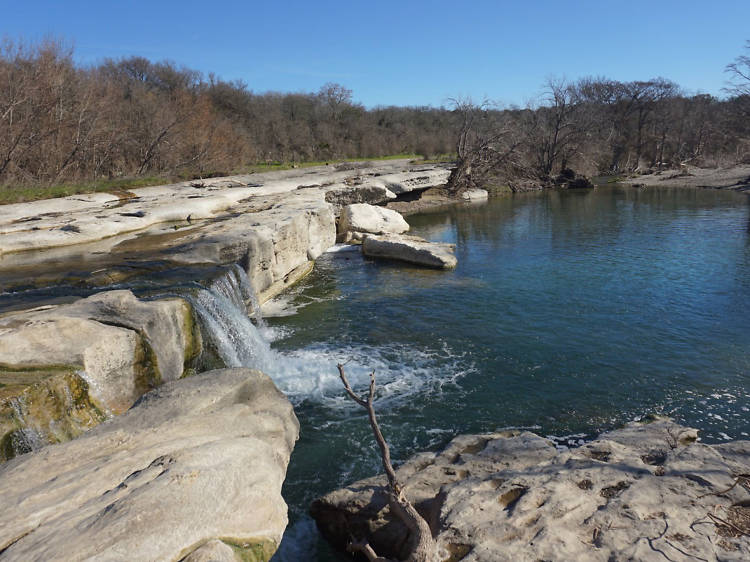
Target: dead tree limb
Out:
[422,547]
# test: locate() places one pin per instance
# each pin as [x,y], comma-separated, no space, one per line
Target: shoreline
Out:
[735,178]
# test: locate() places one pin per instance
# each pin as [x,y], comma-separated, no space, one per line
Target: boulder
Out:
[89,359]
[194,463]
[475,195]
[272,239]
[410,249]
[360,218]
[641,493]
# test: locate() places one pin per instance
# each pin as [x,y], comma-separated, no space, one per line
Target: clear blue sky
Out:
[404,53]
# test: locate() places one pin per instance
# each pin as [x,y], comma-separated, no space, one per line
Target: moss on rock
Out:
[252,550]
[41,405]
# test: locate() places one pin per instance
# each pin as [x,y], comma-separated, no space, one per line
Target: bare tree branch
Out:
[422,546]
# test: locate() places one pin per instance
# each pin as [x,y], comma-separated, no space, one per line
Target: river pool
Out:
[570,313]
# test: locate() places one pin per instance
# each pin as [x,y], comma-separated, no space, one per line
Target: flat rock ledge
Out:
[411,249]
[274,225]
[735,178]
[645,492]
[192,472]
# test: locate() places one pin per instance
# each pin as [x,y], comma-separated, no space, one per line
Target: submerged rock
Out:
[645,492]
[63,368]
[410,249]
[194,463]
[360,218]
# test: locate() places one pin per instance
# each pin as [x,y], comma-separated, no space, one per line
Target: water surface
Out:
[569,313]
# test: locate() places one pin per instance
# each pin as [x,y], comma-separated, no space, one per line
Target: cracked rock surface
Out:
[644,492]
[194,462]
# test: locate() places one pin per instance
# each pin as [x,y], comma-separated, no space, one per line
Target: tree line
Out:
[61,122]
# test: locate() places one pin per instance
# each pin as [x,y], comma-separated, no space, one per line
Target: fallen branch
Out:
[719,521]
[422,547]
[743,479]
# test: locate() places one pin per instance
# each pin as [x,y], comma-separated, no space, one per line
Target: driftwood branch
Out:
[422,546]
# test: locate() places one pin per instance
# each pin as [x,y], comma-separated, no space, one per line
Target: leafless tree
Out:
[560,126]
[421,544]
[64,123]
[486,142]
[739,84]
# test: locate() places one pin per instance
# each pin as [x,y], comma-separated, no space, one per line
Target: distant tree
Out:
[739,82]
[740,71]
[560,126]
[486,141]
[336,97]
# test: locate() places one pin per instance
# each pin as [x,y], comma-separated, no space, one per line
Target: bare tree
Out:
[422,546]
[559,127]
[739,84]
[486,141]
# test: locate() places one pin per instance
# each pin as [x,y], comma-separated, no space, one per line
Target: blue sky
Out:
[404,53]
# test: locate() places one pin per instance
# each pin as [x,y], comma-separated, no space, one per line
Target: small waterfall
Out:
[28,437]
[235,286]
[224,316]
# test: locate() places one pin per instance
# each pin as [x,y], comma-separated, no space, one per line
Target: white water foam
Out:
[311,373]
[400,373]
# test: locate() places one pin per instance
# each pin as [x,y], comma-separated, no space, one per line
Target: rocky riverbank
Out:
[272,224]
[736,178]
[645,492]
[65,368]
[113,452]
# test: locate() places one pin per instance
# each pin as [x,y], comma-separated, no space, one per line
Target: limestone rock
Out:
[41,406]
[90,358]
[415,180]
[640,493]
[193,461]
[475,195]
[410,249]
[283,235]
[361,218]
[88,218]
[372,194]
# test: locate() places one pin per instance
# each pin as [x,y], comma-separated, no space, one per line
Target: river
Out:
[570,313]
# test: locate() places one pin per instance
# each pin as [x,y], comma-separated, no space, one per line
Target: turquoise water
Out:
[570,313]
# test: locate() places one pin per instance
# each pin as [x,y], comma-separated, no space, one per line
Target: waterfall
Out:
[27,437]
[223,313]
[309,373]
[235,286]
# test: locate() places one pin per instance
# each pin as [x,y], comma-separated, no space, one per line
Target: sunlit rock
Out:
[411,249]
[645,492]
[195,461]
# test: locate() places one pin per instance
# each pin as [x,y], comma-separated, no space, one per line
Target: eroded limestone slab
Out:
[411,249]
[194,463]
[641,493]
